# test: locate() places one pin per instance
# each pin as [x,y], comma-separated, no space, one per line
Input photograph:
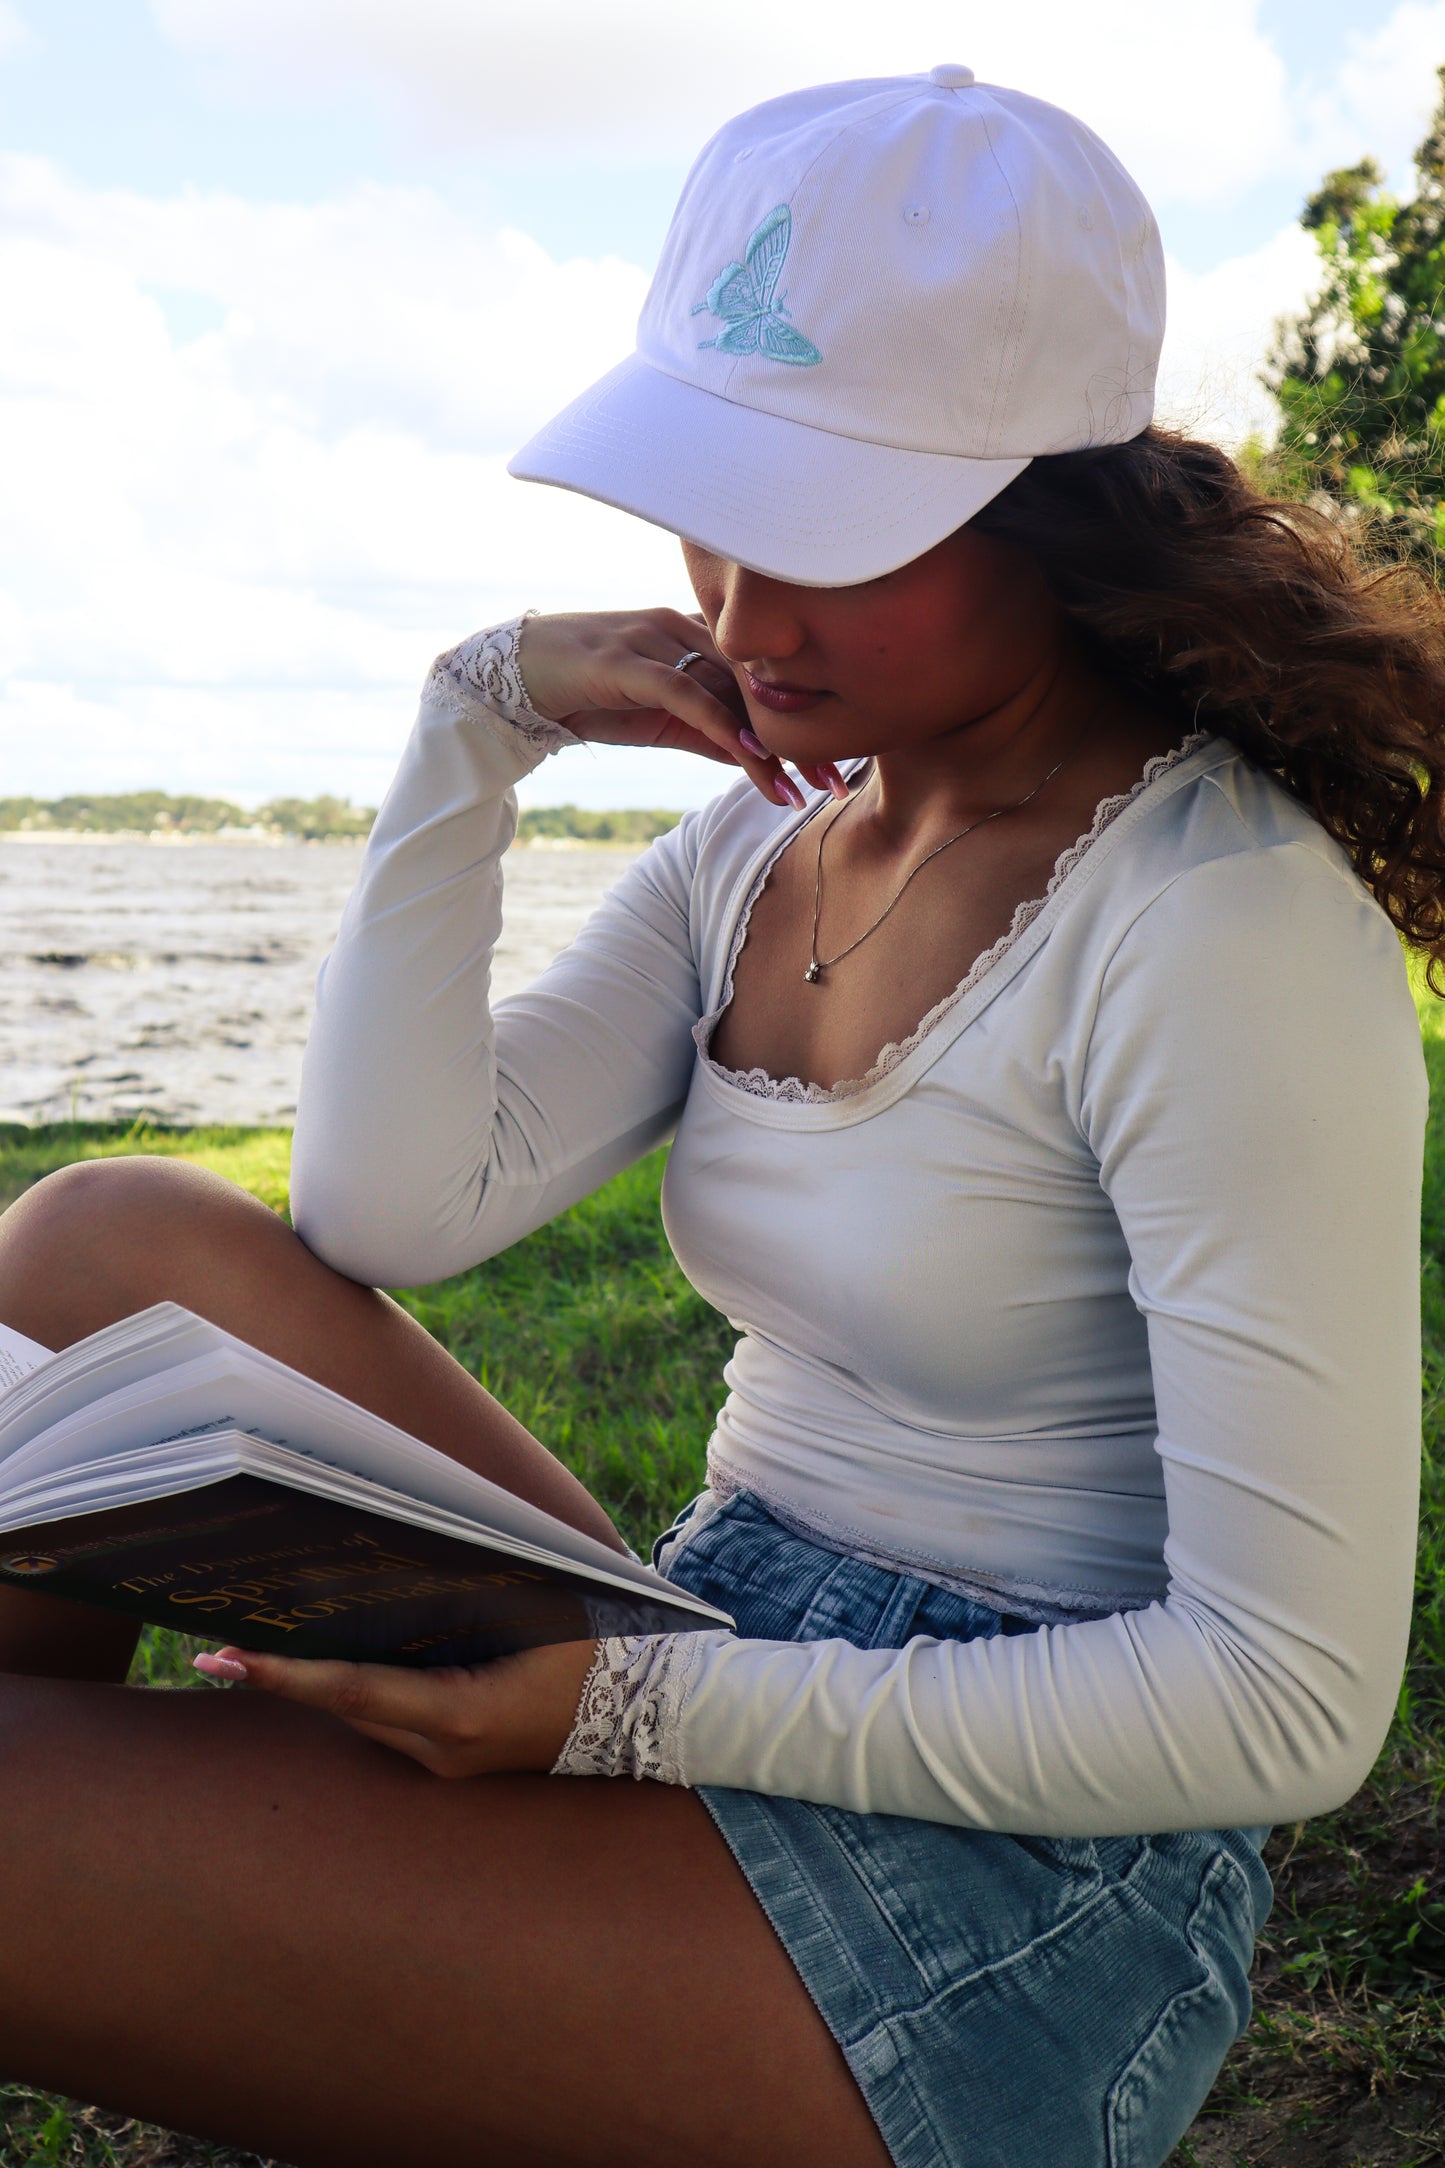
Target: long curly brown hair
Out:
[1260,619]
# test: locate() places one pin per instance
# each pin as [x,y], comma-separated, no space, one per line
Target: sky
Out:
[286,281]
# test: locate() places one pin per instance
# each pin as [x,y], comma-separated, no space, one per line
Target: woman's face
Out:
[830,673]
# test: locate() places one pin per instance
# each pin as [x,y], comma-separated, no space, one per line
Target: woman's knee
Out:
[104,1237]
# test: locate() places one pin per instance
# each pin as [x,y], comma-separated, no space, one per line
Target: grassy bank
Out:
[591,1334]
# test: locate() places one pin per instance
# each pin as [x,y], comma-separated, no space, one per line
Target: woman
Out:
[1064,1493]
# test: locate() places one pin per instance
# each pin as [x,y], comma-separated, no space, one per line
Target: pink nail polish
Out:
[788,793]
[218,1667]
[752,743]
[835,782]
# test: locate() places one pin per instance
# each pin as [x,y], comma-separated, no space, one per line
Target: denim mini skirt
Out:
[1003,2002]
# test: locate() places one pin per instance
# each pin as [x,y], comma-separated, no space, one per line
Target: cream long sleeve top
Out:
[1098,1296]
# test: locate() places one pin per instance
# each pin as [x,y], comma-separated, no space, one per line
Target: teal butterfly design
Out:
[742,294]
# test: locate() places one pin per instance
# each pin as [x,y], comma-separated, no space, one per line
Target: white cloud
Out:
[1220,325]
[1196,116]
[1200,116]
[379,306]
[1382,93]
[228,559]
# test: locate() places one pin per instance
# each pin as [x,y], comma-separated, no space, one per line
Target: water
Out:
[176,982]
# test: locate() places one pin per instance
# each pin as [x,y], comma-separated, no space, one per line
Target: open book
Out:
[165,1469]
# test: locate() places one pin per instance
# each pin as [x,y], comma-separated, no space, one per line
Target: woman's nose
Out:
[757,621]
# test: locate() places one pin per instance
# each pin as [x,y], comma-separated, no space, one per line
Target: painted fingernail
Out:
[218,1667]
[752,743]
[834,780]
[787,792]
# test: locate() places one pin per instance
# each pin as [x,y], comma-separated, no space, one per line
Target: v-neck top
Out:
[1098,1299]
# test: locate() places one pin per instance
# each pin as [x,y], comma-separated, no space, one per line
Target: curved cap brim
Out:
[793,502]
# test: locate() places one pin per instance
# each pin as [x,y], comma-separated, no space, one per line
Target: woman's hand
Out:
[458,1721]
[611,677]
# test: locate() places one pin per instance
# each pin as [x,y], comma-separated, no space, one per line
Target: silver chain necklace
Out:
[817,964]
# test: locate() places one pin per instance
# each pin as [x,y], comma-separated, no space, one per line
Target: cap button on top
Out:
[950,75]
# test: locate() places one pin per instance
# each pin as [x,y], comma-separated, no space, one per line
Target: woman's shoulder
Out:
[1217,898]
[1231,893]
[1241,806]
[1216,838]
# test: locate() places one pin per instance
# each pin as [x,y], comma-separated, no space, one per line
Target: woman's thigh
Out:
[241,1920]
[98,1241]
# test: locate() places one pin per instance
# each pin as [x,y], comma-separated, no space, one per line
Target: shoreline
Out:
[270,839]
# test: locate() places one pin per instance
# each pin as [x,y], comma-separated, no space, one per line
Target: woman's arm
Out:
[429,1133]
[1253,1091]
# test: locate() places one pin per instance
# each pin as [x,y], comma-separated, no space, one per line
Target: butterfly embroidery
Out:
[742,294]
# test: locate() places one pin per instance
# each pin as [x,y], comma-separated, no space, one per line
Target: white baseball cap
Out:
[877,301]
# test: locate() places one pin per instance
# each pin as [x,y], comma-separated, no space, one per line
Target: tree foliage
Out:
[162,813]
[1360,375]
[310,820]
[315,820]
[578,824]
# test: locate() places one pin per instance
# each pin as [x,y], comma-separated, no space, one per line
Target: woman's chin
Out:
[819,736]
[801,752]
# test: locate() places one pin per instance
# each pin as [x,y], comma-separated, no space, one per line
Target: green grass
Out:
[589,1332]
[259,1159]
[591,1335]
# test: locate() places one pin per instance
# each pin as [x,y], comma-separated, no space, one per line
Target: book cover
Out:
[255,1562]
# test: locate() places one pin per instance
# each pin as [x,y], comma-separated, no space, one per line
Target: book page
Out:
[165,1372]
[18,1356]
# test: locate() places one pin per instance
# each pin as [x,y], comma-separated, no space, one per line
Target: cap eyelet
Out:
[916,214]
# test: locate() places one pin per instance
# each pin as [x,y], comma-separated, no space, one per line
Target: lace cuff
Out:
[628,1716]
[482,680]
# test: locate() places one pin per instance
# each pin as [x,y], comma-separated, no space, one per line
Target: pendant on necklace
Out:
[810,976]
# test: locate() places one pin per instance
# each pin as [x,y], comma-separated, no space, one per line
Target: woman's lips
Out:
[787,699]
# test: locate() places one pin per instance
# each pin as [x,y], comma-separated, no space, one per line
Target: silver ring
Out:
[694,654]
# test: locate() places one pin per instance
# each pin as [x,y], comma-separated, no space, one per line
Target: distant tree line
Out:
[574,823]
[160,813]
[309,820]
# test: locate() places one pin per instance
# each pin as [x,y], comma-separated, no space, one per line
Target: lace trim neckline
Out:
[793,1090]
